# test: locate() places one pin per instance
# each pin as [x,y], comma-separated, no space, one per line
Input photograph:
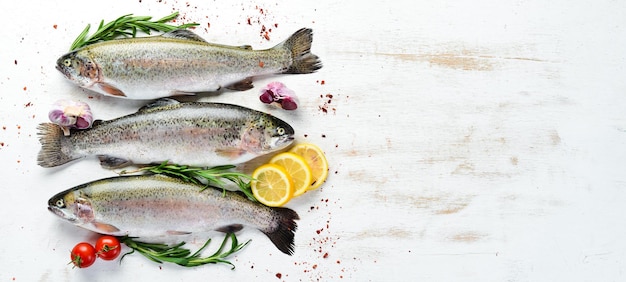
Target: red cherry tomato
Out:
[108,247]
[83,255]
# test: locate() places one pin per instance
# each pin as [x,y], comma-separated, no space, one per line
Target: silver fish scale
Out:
[180,62]
[180,129]
[149,206]
[183,62]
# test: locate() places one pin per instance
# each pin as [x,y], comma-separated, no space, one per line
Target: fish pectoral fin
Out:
[231,153]
[181,93]
[110,89]
[230,228]
[243,85]
[184,34]
[105,227]
[175,232]
[109,162]
[158,103]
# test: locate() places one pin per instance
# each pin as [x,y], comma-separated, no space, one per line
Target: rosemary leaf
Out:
[177,254]
[214,176]
[167,18]
[126,26]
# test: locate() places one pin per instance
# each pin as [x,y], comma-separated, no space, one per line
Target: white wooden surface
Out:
[467,140]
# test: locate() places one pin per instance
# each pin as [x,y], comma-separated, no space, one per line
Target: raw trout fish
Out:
[194,133]
[181,63]
[156,205]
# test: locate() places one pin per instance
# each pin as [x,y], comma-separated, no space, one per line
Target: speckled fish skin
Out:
[151,206]
[194,133]
[180,63]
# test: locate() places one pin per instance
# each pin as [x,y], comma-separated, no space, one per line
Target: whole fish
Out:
[156,205]
[181,63]
[194,133]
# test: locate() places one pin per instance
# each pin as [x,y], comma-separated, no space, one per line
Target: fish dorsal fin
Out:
[184,34]
[97,122]
[158,103]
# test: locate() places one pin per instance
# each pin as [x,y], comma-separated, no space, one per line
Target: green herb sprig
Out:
[126,26]
[160,253]
[213,176]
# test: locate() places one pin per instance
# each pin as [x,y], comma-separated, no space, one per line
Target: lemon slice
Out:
[297,168]
[272,185]
[316,159]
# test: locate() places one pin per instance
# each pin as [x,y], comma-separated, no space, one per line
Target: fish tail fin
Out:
[52,153]
[282,236]
[303,61]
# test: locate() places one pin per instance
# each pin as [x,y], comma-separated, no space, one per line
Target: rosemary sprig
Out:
[213,176]
[126,26]
[160,253]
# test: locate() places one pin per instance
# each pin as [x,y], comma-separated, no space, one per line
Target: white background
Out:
[467,140]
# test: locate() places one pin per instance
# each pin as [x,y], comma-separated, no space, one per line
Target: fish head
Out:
[277,134]
[73,206]
[266,134]
[79,68]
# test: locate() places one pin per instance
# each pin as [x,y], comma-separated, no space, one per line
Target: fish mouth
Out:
[58,212]
[284,141]
[65,73]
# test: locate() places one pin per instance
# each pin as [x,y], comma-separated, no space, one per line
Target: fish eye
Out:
[280,131]
[67,62]
[60,203]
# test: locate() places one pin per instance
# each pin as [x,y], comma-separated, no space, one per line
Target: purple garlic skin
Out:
[71,114]
[277,92]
